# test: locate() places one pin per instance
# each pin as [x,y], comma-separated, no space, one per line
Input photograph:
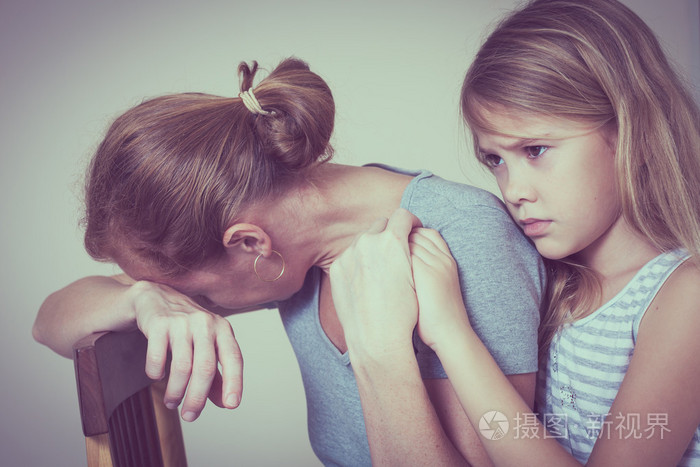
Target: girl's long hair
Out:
[173,172]
[596,61]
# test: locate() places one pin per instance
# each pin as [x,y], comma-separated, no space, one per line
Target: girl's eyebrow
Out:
[517,144]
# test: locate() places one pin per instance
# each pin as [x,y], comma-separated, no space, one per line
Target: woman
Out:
[212,205]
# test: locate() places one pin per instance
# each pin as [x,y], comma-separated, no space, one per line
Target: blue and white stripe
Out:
[588,360]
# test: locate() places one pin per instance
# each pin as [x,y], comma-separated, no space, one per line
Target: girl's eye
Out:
[492,160]
[534,152]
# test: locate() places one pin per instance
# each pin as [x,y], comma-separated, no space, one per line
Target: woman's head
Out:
[595,62]
[174,172]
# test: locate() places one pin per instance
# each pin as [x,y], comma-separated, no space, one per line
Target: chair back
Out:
[125,422]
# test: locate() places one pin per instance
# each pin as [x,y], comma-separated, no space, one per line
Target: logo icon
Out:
[493,425]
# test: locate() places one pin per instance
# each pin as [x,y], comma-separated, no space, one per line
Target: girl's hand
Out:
[440,304]
[372,288]
[199,341]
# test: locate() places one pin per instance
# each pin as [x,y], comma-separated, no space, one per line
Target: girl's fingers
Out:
[436,239]
[419,251]
[423,248]
[431,241]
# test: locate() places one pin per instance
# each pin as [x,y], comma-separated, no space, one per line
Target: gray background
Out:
[68,67]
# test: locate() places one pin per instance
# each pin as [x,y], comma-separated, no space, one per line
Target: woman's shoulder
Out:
[442,204]
[427,190]
[460,195]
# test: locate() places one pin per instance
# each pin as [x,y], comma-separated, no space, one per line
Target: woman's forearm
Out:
[91,304]
[402,425]
[199,341]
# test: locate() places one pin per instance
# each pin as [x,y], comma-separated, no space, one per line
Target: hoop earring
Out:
[255,267]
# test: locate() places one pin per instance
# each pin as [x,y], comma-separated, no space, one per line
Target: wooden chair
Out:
[124,420]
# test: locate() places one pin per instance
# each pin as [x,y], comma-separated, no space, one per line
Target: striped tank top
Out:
[588,360]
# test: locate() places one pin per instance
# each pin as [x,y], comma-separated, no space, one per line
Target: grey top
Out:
[502,281]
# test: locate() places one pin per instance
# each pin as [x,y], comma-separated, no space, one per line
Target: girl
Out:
[595,147]
[212,205]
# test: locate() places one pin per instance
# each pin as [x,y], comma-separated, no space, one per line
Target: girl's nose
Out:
[517,189]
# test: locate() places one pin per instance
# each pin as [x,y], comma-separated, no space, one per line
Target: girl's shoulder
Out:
[682,289]
[677,304]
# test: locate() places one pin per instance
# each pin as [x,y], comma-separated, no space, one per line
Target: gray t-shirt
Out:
[502,280]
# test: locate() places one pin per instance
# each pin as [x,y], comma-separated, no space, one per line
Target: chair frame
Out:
[124,420]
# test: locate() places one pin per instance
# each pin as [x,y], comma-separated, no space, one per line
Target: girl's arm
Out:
[662,378]
[198,339]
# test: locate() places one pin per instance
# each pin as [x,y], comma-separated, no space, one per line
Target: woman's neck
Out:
[320,219]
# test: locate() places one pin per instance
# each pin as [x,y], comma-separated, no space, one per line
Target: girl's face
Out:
[557,178]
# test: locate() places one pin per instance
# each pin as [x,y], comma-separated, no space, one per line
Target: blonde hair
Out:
[173,172]
[596,61]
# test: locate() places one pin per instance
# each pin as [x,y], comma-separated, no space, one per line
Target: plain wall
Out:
[67,68]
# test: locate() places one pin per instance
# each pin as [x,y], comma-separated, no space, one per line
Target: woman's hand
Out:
[440,304]
[199,342]
[372,288]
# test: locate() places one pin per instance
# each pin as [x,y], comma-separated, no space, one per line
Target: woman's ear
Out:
[249,238]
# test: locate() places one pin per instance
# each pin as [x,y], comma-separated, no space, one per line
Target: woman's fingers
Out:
[377,226]
[180,369]
[231,361]
[214,344]
[199,341]
[376,314]
[156,354]
[204,367]
[216,390]
[402,222]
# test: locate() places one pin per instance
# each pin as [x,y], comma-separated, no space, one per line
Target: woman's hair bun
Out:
[297,133]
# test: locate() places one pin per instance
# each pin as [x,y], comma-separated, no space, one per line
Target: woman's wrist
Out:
[379,354]
[391,365]
[126,302]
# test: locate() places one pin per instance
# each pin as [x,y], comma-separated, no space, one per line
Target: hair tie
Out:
[252,103]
